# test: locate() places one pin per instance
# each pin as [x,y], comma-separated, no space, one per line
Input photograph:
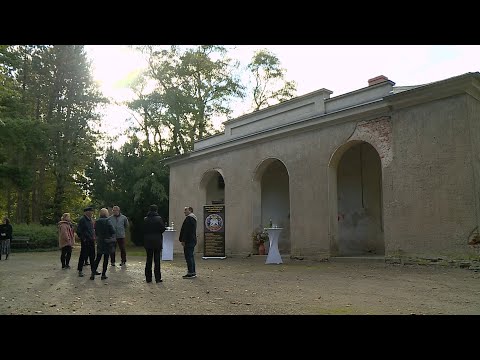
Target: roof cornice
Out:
[370,110]
[467,83]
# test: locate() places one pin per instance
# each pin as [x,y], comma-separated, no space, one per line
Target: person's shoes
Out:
[189,276]
[92,277]
[63,267]
[97,273]
[159,281]
[104,277]
[86,264]
[80,274]
[67,267]
[148,281]
[112,264]
[122,263]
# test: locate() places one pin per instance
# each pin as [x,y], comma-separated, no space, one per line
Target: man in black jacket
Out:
[86,234]
[105,236]
[188,238]
[153,228]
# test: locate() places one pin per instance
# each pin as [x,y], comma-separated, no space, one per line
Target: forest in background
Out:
[55,159]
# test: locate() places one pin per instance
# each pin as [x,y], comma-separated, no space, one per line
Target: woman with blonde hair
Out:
[105,234]
[66,239]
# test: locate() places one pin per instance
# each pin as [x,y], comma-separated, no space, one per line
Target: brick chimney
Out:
[377,80]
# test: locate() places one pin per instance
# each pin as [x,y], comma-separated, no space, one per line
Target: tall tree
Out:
[23,140]
[193,86]
[149,112]
[49,95]
[132,178]
[210,83]
[269,84]
[71,114]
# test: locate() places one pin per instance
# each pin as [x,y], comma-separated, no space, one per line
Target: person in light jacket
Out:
[120,223]
[66,239]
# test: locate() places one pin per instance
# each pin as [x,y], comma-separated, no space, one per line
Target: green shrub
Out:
[41,237]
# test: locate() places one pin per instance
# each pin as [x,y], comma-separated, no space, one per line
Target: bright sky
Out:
[339,68]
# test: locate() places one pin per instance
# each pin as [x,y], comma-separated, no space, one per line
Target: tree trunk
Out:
[59,197]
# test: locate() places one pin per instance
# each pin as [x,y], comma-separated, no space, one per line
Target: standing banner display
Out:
[214,231]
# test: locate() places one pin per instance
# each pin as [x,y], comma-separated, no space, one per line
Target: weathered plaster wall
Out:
[428,141]
[305,156]
[429,200]
[474,122]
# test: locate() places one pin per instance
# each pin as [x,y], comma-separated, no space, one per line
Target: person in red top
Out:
[66,239]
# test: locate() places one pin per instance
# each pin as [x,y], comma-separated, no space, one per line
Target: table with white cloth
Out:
[168,238]
[273,256]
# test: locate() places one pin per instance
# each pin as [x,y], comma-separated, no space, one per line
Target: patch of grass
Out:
[134,250]
[336,311]
[24,250]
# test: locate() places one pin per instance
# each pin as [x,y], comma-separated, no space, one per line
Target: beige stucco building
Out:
[382,170]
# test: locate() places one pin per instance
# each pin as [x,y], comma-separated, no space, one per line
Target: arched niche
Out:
[355,201]
[271,199]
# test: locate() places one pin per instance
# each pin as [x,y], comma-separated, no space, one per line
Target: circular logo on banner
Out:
[214,222]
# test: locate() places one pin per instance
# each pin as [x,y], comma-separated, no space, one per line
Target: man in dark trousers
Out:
[153,228]
[188,238]
[120,223]
[86,234]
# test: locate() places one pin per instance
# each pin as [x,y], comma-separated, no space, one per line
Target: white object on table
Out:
[273,256]
[167,251]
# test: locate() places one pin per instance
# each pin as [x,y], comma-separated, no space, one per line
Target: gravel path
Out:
[34,283]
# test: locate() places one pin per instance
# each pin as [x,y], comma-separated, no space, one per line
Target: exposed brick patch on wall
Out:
[378,133]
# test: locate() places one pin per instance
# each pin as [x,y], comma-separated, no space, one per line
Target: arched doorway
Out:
[271,199]
[356,210]
[213,186]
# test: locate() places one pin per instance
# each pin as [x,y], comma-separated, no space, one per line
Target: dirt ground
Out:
[34,283]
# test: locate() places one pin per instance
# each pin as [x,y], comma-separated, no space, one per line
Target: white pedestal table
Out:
[168,238]
[273,256]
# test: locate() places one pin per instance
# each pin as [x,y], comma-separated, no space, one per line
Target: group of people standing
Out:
[153,229]
[108,231]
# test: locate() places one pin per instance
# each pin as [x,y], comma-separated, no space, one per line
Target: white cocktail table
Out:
[273,256]
[167,251]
